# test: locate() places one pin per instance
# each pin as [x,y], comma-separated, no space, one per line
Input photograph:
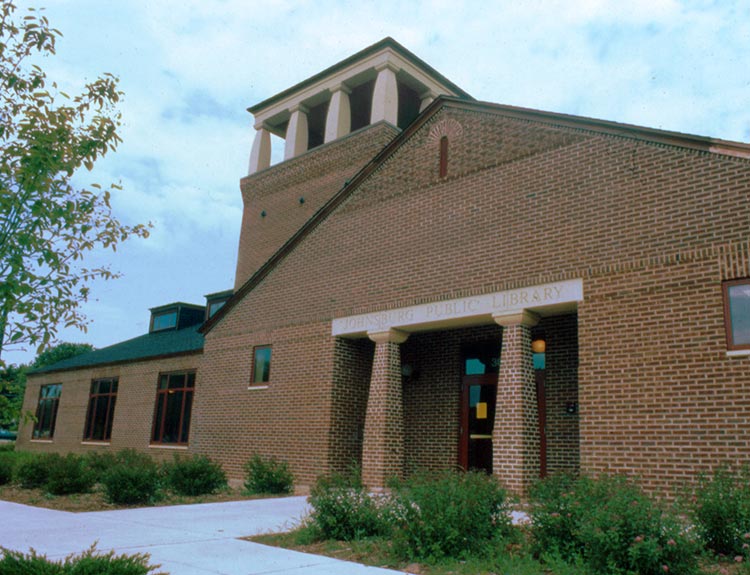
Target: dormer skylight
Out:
[176,315]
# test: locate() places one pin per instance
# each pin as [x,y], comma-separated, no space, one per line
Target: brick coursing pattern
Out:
[526,203]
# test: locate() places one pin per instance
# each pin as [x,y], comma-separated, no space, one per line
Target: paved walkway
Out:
[184,539]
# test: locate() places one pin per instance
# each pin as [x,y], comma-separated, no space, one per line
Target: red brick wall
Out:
[314,176]
[134,409]
[652,230]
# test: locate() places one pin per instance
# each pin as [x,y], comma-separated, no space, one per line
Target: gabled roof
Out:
[150,346]
[591,125]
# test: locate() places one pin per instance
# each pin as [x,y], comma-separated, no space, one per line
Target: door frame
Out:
[489,379]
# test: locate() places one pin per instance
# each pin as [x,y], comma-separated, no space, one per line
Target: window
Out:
[174,400]
[164,321]
[46,411]
[261,365]
[737,313]
[215,306]
[101,409]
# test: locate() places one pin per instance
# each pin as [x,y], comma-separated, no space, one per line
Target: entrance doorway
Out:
[480,366]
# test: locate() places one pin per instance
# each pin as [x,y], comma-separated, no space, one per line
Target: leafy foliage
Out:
[268,476]
[32,469]
[7,462]
[342,508]
[69,474]
[89,562]
[610,525]
[722,511]
[47,223]
[196,475]
[449,515]
[132,480]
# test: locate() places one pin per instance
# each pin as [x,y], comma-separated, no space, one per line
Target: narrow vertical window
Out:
[737,313]
[46,411]
[443,156]
[261,365]
[174,402]
[101,411]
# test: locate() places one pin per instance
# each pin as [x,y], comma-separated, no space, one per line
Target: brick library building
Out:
[427,281]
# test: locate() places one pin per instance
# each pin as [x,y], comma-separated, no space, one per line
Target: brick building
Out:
[429,281]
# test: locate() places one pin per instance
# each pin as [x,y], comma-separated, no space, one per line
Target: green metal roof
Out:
[149,346]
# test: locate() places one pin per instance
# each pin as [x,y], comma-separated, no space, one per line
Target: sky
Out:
[189,70]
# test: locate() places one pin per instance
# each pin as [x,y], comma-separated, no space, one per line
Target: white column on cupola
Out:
[296,132]
[260,156]
[385,95]
[427,99]
[339,118]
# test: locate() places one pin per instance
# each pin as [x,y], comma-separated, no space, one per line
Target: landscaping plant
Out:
[450,514]
[721,512]
[612,526]
[7,462]
[31,470]
[89,562]
[134,479]
[268,476]
[342,508]
[68,474]
[193,476]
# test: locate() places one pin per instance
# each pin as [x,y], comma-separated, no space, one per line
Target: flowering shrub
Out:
[342,508]
[448,515]
[610,525]
[721,512]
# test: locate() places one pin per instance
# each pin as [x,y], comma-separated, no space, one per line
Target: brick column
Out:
[515,439]
[383,443]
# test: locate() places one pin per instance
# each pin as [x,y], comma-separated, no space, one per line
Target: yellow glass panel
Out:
[482,410]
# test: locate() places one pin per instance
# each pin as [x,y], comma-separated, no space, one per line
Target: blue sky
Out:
[190,68]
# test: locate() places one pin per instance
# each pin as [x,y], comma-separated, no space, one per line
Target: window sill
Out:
[89,442]
[159,446]
[734,353]
[256,387]
[42,441]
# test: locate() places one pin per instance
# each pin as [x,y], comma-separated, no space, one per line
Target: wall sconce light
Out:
[301,201]
[263,214]
[538,345]
[571,408]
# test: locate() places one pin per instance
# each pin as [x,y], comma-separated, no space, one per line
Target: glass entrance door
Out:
[478,401]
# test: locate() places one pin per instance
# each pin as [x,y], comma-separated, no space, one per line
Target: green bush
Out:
[721,511]
[68,474]
[7,447]
[342,509]
[134,479]
[31,470]
[7,462]
[268,476]
[194,475]
[99,462]
[612,526]
[451,514]
[87,563]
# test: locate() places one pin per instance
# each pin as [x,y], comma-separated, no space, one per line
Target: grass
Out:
[95,501]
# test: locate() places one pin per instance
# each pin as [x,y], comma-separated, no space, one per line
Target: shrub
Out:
[194,476]
[7,447]
[268,476]
[134,479]
[99,462]
[343,510]
[7,462]
[32,469]
[87,563]
[451,514]
[68,474]
[612,526]
[722,511]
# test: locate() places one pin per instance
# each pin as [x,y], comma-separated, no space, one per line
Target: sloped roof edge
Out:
[653,135]
[386,42]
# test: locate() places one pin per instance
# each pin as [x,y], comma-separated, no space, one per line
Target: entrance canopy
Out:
[543,300]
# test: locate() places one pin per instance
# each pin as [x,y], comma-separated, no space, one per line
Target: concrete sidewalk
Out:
[184,539]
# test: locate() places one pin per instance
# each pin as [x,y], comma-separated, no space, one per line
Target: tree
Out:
[47,223]
[13,379]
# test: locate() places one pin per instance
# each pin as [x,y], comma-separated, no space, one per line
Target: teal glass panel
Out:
[539,360]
